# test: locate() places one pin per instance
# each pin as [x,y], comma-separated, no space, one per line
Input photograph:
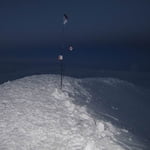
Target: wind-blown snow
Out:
[36,115]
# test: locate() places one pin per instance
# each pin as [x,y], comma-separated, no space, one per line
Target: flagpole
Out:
[60,57]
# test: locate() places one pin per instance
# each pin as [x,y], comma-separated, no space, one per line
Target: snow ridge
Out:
[36,114]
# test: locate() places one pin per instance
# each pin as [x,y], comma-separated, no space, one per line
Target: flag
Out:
[60,57]
[65,19]
[70,48]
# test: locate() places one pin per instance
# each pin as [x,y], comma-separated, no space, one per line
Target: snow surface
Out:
[36,115]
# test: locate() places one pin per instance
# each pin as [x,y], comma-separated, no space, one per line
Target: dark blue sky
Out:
[108,34]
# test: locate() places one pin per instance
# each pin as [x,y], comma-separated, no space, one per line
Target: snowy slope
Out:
[123,101]
[36,115]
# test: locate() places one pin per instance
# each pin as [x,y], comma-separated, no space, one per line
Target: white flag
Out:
[65,19]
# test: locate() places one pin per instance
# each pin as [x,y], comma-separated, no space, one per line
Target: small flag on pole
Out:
[65,19]
[60,57]
[70,48]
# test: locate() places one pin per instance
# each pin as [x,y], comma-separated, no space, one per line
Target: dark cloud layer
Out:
[111,34]
[108,21]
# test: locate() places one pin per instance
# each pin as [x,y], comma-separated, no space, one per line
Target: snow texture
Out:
[36,115]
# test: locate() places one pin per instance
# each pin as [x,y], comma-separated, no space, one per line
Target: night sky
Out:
[106,34]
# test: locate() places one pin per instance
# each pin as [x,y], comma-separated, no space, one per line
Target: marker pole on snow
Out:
[61,56]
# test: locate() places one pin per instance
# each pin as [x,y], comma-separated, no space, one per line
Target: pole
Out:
[61,59]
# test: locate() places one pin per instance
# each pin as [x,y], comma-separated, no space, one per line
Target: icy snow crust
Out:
[36,115]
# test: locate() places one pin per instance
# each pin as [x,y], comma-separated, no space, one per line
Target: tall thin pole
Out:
[60,57]
[61,62]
